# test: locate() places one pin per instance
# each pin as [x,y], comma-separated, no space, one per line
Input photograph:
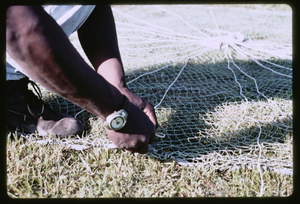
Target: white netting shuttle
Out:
[220,78]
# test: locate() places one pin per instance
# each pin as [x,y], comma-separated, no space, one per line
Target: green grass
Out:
[36,171]
[55,171]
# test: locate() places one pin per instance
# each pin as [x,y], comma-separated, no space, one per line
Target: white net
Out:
[220,78]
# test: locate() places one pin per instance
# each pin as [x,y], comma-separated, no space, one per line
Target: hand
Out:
[137,133]
[142,104]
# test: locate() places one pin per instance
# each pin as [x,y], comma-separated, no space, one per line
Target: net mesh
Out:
[220,78]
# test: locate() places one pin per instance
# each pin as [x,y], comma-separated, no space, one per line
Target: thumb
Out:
[150,112]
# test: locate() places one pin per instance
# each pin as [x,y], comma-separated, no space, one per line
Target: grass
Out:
[56,171]
[36,171]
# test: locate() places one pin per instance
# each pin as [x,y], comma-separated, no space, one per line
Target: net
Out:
[220,78]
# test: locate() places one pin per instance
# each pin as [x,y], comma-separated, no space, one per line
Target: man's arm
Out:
[41,48]
[44,52]
[98,39]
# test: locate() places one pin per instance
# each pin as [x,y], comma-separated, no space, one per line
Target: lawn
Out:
[227,119]
[53,171]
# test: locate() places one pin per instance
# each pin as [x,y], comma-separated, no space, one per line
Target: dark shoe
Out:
[29,113]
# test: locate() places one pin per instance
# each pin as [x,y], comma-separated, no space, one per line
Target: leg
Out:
[27,112]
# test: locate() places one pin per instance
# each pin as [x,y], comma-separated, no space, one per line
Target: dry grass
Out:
[36,171]
[55,171]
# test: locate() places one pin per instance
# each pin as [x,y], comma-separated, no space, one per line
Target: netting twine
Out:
[221,85]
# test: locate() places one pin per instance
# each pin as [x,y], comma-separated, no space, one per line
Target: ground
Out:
[228,123]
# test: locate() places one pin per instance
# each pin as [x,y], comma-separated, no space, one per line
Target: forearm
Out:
[42,49]
[98,38]
[112,70]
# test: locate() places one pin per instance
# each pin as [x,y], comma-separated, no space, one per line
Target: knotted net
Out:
[220,78]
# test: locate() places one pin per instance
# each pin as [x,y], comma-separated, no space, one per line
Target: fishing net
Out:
[220,78]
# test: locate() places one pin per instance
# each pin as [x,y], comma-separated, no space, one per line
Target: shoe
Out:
[28,112]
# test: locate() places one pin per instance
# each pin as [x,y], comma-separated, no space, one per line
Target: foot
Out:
[28,112]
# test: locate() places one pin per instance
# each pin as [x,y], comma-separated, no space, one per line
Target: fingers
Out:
[143,104]
[134,143]
[150,112]
[141,150]
[148,109]
[142,145]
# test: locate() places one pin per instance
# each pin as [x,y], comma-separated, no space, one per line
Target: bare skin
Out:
[41,48]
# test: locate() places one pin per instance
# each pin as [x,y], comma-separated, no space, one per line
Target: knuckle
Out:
[138,142]
[144,139]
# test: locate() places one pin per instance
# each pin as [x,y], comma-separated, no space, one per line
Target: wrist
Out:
[117,120]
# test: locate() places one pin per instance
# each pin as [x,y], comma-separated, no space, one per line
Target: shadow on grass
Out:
[205,88]
[200,93]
